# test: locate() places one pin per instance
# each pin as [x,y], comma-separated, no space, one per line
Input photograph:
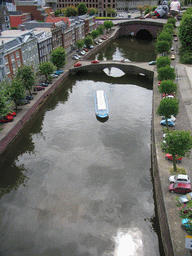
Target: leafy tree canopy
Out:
[82,9]
[80,44]
[185,32]
[108,24]
[168,107]
[46,68]
[92,11]
[88,41]
[177,143]
[27,77]
[162,46]
[163,61]
[17,91]
[95,33]
[168,86]
[166,73]
[5,99]
[70,11]
[58,57]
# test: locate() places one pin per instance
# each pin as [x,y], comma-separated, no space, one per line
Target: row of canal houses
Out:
[34,41]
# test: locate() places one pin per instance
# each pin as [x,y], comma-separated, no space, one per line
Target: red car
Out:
[6,119]
[38,88]
[78,64]
[169,157]
[181,188]
[185,208]
[12,114]
[85,49]
[94,61]
[159,83]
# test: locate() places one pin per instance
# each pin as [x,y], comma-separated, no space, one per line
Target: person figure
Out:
[160,12]
[174,8]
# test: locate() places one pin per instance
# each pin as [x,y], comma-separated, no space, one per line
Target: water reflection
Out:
[114,72]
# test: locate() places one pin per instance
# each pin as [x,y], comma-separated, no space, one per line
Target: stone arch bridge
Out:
[129,68]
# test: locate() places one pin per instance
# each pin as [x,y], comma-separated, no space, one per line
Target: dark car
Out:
[44,84]
[22,102]
[38,88]
[6,119]
[181,188]
[29,97]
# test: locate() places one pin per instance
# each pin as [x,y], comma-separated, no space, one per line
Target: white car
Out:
[172,118]
[185,198]
[181,178]
[54,75]
[100,40]
[75,57]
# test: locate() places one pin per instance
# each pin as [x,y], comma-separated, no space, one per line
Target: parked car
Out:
[53,75]
[29,97]
[94,61]
[186,224]
[175,39]
[172,118]
[185,198]
[181,188]
[179,178]
[100,40]
[152,62]
[78,64]
[172,48]
[172,56]
[85,49]
[169,157]
[44,84]
[6,119]
[91,47]
[168,95]
[170,123]
[12,114]
[159,83]
[75,57]
[38,88]
[58,72]
[22,102]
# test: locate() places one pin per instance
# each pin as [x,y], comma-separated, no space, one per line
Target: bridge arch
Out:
[133,28]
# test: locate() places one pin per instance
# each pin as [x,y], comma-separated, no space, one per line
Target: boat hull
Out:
[101,106]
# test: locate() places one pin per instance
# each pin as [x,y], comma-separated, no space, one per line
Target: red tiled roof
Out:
[57,19]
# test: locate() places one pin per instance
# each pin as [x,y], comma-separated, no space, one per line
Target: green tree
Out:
[166,73]
[92,11]
[162,47]
[70,11]
[58,57]
[168,107]
[141,9]
[168,27]
[88,41]
[17,91]
[5,99]
[46,68]
[27,77]
[171,21]
[95,33]
[163,61]
[168,86]
[57,13]
[177,143]
[100,28]
[82,9]
[110,12]
[80,44]
[108,24]
[165,36]
[185,32]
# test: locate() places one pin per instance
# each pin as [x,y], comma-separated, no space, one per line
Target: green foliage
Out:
[185,32]
[27,77]
[166,73]
[168,86]
[17,91]
[57,13]
[92,11]
[108,24]
[178,143]
[46,68]
[80,44]
[82,9]
[5,99]
[153,8]
[162,46]
[185,57]
[178,171]
[88,41]
[163,61]
[58,57]
[70,11]
[147,11]
[100,29]
[110,12]
[95,33]
[14,28]
[171,21]
[168,28]
[164,36]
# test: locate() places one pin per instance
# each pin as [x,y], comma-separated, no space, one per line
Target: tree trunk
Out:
[174,164]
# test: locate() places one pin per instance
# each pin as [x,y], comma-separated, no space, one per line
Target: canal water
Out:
[74,186]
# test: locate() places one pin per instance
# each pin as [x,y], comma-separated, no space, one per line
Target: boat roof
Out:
[101,104]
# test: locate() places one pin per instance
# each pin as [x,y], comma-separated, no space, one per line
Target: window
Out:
[6,60]
[17,54]
[18,63]
[12,57]
[7,69]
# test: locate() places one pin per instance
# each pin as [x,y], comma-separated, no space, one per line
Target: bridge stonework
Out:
[133,27]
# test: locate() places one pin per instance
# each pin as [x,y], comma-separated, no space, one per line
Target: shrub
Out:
[186,57]
[163,62]
[171,21]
